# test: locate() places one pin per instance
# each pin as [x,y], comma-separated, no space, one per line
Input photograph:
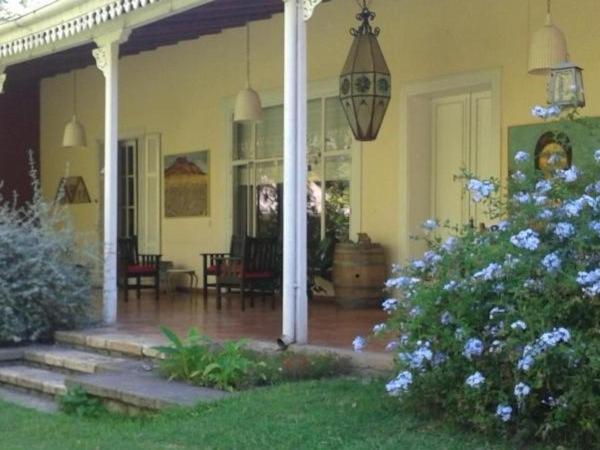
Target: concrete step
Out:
[33,378]
[145,392]
[28,400]
[111,342]
[75,360]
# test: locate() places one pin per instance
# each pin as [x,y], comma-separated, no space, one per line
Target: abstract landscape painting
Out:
[187,184]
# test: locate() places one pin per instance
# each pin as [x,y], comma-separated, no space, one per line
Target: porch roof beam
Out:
[18,44]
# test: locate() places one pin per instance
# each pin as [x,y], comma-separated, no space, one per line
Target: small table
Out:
[189,272]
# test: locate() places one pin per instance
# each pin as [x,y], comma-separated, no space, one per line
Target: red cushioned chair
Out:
[255,271]
[137,266]
[210,261]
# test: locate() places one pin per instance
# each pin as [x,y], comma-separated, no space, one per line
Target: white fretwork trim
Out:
[309,7]
[102,14]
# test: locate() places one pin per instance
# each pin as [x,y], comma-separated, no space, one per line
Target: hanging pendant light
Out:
[74,135]
[248,107]
[548,47]
[365,81]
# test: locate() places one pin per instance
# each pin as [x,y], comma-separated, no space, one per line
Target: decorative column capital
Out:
[309,7]
[107,45]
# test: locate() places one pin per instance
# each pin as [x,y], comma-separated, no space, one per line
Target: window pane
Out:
[241,190]
[242,135]
[314,205]
[314,121]
[269,190]
[337,196]
[269,134]
[338,135]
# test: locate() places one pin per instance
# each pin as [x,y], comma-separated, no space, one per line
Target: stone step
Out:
[112,342]
[28,400]
[145,392]
[33,378]
[75,360]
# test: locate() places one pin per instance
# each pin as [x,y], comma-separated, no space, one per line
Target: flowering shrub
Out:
[500,329]
[42,286]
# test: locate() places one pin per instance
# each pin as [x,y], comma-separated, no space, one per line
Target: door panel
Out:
[461,138]
[450,144]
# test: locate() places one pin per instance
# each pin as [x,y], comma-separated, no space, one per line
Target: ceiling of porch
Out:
[207,19]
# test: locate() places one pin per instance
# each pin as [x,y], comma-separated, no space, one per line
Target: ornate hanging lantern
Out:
[365,82]
[565,86]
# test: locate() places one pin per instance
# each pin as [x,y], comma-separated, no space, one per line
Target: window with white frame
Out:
[258,173]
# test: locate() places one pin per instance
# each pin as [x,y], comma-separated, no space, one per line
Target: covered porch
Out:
[161,77]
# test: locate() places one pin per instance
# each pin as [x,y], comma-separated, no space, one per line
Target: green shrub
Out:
[43,284]
[198,360]
[231,366]
[500,329]
[78,402]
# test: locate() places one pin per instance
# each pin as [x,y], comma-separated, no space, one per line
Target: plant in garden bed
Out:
[78,402]
[230,366]
[499,330]
[44,282]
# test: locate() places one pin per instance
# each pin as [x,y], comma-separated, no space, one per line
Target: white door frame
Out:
[490,79]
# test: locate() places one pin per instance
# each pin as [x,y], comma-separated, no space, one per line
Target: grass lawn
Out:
[346,414]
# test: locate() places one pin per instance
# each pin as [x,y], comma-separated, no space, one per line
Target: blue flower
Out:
[473,347]
[569,175]
[521,156]
[597,156]
[522,197]
[390,305]
[564,230]
[519,176]
[359,343]
[430,224]
[504,412]
[379,328]
[543,186]
[480,190]
[418,358]
[491,272]
[399,384]
[446,318]
[526,239]
[475,380]
[518,325]
[521,391]
[552,262]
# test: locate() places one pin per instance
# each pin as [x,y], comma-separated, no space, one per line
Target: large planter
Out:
[359,273]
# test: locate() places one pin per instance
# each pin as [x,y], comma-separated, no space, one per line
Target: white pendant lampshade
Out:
[248,107]
[548,48]
[74,135]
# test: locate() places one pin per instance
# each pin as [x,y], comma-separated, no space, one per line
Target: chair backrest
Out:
[236,247]
[128,250]
[260,254]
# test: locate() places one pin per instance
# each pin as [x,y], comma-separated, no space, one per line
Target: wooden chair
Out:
[255,271]
[134,265]
[210,262]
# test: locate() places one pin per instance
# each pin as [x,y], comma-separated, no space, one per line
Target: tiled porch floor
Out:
[328,324]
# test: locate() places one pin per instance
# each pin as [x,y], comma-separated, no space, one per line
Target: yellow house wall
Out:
[179,91]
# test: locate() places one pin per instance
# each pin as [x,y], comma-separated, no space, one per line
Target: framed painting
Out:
[555,144]
[187,184]
[72,190]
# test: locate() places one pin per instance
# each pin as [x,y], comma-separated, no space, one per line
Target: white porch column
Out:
[290,164]
[295,308]
[107,60]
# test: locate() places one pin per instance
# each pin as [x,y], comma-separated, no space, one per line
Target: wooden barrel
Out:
[359,273]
